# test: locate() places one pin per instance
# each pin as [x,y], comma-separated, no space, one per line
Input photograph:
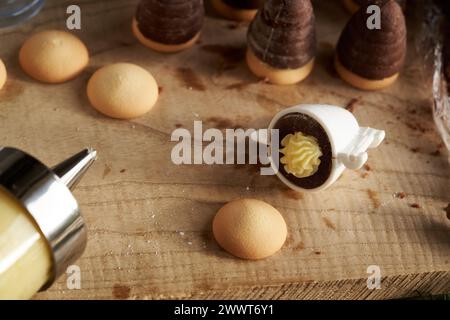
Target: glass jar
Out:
[13,12]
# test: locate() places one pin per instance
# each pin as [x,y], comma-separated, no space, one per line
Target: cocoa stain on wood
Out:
[238,86]
[222,123]
[300,246]
[415,126]
[373,196]
[435,153]
[106,171]
[190,79]
[253,169]
[352,104]
[232,55]
[292,194]
[289,240]
[121,292]
[328,223]
[367,168]
[400,195]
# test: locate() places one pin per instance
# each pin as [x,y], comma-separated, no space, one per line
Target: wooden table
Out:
[150,221]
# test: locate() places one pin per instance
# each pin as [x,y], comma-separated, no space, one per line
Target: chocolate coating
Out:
[283,33]
[374,54]
[402,3]
[295,122]
[170,22]
[244,4]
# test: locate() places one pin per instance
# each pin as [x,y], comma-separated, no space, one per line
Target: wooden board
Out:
[150,221]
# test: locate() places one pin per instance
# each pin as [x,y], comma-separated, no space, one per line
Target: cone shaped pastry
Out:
[371,59]
[168,25]
[354,5]
[282,41]
[239,10]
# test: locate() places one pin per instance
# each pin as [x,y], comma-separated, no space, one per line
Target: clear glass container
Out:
[13,12]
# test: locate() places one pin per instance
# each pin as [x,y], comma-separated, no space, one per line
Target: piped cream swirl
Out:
[301,154]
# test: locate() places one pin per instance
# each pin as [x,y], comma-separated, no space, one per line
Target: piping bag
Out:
[42,232]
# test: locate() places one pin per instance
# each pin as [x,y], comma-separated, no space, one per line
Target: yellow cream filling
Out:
[301,155]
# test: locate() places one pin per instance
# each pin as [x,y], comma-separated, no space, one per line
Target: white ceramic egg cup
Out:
[349,142]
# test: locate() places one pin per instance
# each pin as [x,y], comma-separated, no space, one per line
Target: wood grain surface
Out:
[149,220]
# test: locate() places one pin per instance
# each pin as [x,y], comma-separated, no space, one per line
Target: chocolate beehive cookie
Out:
[371,59]
[353,5]
[239,10]
[282,41]
[169,25]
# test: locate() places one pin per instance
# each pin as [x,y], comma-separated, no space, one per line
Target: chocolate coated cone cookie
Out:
[168,25]
[371,59]
[282,42]
[239,10]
